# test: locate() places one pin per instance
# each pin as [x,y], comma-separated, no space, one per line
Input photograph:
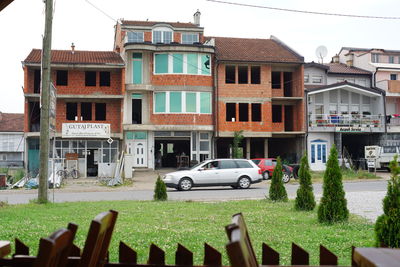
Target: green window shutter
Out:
[175,102]
[190,102]
[160,102]
[137,71]
[161,62]
[178,63]
[205,103]
[192,66]
[205,64]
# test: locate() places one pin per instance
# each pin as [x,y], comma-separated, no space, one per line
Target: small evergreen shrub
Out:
[160,190]
[305,197]
[277,191]
[333,207]
[387,226]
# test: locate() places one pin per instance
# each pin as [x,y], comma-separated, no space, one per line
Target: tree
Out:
[160,190]
[333,207]
[277,191]
[387,226]
[237,139]
[305,196]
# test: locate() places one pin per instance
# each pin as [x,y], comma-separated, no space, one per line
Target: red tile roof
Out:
[78,57]
[256,50]
[11,122]
[344,69]
[152,23]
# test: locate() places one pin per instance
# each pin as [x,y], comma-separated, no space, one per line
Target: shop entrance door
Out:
[139,151]
[92,162]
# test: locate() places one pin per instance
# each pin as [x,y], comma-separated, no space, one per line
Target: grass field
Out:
[140,223]
[347,174]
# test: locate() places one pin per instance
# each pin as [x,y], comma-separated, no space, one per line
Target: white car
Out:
[237,173]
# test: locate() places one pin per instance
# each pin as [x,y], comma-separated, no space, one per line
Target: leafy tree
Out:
[305,196]
[333,207]
[387,226]
[277,191]
[237,139]
[160,190]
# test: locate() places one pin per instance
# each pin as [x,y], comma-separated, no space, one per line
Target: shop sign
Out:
[350,129]
[86,130]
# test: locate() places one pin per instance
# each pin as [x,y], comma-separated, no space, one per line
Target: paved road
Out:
[364,198]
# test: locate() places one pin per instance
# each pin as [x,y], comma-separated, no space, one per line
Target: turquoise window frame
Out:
[177,60]
[175,102]
[191,102]
[160,99]
[205,102]
[192,63]
[160,63]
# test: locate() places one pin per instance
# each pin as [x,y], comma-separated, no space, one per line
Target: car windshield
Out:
[256,161]
[197,165]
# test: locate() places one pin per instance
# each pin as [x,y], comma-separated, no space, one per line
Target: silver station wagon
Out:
[237,173]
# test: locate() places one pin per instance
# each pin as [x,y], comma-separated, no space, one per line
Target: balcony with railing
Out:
[393,123]
[346,123]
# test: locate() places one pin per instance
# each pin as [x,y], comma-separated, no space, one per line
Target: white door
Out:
[139,152]
[318,155]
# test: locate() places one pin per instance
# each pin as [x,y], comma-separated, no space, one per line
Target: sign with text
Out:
[350,129]
[86,130]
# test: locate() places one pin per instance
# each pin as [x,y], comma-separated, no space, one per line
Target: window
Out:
[177,60]
[86,111]
[243,164]
[317,79]
[393,77]
[135,37]
[333,96]
[230,74]
[242,74]
[256,112]
[230,112]
[101,111]
[191,102]
[175,102]
[276,113]
[255,75]
[227,164]
[137,68]
[190,38]
[276,80]
[344,97]
[36,81]
[205,102]
[193,63]
[160,100]
[104,78]
[243,112]
[306,78]
[182,102]
[162,37]
[90,78]
[355,98]
[161,63]
[205,64]
[62,77]
[72,111]
[391,59]
[375,58]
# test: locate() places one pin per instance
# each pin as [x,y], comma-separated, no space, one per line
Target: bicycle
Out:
[64,174]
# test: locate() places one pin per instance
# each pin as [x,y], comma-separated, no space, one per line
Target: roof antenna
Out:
[321,52]
[72,48]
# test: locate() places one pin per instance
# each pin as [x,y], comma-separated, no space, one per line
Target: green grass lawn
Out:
[347,174]
[165,224]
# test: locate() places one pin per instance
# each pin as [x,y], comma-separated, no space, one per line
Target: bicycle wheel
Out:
[75,174]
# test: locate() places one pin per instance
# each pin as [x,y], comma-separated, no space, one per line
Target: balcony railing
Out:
[345,120]
[393,121]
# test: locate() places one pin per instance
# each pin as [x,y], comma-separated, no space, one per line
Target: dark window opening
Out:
[36,81]
[230,111]
[230,74]
[287,84]
[104,78]
[243,112]
[289,118]
[276,113]
[90,78]
[136,111]
[86,111]
[72,111]
[276,79]
[101,111]
[255,112]
[243,74]
[62,77]
[34,114]
[255,75]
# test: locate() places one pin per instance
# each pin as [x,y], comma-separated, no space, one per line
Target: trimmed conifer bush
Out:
[333,207]
[277,191]
[387,226]
[160,190]
[305,197]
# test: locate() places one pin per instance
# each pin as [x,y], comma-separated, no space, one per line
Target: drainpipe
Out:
[307,123]
[216,110]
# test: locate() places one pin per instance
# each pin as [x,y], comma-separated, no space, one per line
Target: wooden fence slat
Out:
[75,251]
[183,256]
[353,263]
[326,257]
[156,255]
[126,254]
[299,255]
[21,248]
[269,255]
[212,257]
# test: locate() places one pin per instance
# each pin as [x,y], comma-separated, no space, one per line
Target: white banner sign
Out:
[86,130]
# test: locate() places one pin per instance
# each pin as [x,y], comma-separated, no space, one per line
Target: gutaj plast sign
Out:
[86,130]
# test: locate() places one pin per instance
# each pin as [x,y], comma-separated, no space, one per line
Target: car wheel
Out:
[286,177]
[265,175]
[185,184]
[244,182]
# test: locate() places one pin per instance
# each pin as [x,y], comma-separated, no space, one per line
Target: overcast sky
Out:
[22,25]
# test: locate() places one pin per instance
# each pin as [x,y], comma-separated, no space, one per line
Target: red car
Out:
[267,167]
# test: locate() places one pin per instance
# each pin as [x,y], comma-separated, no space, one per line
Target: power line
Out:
[305,11]
[104,13]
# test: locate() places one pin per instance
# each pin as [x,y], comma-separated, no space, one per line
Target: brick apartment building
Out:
[89,97]
[12,142]
[260,91]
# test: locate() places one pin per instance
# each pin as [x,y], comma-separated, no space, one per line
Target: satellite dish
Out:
[321,52]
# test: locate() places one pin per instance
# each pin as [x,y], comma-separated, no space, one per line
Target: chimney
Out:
[335,59]
[72,48]
[196,17]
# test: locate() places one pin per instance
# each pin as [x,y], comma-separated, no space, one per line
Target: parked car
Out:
[267,167]
[237,173]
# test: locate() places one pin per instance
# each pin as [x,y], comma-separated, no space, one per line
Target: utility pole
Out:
[44,112]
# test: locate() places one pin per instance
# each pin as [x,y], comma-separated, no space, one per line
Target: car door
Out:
[207,173]
[228,172]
